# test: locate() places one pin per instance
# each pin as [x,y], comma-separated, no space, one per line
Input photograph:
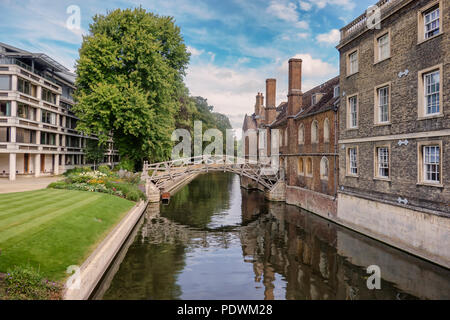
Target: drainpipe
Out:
[335,151]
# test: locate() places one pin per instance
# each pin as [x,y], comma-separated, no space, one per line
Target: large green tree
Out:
[129,78]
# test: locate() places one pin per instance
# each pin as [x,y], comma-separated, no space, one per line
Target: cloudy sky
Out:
[235,44]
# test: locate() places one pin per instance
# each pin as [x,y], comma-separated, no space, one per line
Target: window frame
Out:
[338,89]
[348,162]
[421,20]
[9,82]
[315,127]
[349,113]
[377,113]
[326,129]
[8,107]
[421,163]
[302,127]
[307,173]
[351,72]
[377,48]
[421,92]
[302,171]
[322,176]
[376,173]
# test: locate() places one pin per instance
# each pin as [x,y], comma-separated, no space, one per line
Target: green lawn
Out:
[52,229]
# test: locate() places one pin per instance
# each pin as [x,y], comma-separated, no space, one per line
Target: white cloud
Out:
[195,52]
[230,91]
[311,68]
[243,60]
[331,37]
[286,11]
[302,35]
[307,5]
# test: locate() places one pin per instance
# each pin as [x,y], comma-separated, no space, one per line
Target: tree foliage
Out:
[94,152]
[129,78]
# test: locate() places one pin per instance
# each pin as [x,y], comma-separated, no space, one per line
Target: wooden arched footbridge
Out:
[163,174]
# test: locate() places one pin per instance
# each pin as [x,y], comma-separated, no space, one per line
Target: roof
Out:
[249,123]
[327,102]
[41,58]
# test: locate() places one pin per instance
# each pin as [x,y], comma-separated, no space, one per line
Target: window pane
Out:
[383,47]
[353,112]
[5,108]
[383,104]
[383,162]
[431,23]
[5,82]
[431,163]
[432,90]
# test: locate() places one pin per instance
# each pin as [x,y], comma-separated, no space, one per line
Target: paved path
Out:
[26,184]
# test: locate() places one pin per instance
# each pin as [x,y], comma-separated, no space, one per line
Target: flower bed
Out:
[122,184]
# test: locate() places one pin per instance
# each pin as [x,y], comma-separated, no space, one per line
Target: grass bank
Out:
[51,229]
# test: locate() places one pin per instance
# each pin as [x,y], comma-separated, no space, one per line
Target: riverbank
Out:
[96,266]
[50,230]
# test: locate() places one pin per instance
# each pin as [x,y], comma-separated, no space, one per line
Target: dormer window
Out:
[336,91]
[315,98]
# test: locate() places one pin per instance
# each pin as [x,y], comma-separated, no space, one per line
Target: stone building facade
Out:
[37,126]
[394,126]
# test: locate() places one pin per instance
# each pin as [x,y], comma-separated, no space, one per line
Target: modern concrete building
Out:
[37,135]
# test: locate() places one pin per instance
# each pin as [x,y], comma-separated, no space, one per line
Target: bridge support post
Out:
[152,192]
[278,192]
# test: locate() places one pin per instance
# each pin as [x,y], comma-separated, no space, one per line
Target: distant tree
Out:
[94,152]
[129,77]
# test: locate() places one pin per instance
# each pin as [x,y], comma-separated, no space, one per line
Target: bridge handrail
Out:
[234,160]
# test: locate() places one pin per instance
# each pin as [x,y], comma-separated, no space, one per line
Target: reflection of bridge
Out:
[163,174]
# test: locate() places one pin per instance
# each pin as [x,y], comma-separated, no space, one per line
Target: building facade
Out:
[304,130]
[37,126]
[394,126]
[369,149]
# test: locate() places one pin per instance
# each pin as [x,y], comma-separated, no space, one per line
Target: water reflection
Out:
[217,241]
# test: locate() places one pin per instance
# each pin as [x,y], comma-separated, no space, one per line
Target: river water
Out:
[218,241]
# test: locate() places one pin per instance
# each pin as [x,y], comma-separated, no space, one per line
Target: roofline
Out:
[27,54]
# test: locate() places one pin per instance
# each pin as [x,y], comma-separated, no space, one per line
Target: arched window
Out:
[300,165]
[324,168]
[301,134]
[309,167]
[314,132]
[280,137]
[286,137]
[326,130]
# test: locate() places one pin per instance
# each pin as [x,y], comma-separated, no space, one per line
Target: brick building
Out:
[307,142]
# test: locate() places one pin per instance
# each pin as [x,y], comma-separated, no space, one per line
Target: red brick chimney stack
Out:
[271,109]
[295,86]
